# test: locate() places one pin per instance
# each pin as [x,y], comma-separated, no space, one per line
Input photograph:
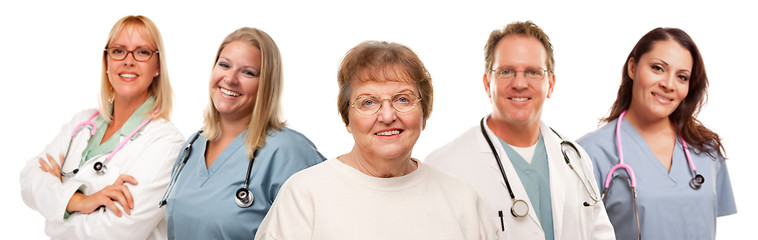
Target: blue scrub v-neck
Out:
[649,157]
[535,178]
[202,203]
[229,151]
[668,207]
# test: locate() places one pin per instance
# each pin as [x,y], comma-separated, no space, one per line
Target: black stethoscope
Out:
[520,208]
[243,197]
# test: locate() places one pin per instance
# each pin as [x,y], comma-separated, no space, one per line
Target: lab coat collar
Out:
[518,188]
[96,148]
[559,176]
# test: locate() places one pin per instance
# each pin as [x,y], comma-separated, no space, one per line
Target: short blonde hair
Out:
[160,88]
[376,61]
[267,110]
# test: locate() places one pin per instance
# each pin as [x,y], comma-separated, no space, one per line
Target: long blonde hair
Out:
[160,88]
[267,110]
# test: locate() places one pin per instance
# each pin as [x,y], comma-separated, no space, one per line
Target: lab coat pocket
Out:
[500,223]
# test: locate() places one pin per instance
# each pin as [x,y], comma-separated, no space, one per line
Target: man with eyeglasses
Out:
[515,161]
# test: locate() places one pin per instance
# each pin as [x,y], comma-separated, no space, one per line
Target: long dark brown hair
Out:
[683,118]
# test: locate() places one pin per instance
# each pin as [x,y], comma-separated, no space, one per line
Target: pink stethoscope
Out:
[696,182]
[100,166]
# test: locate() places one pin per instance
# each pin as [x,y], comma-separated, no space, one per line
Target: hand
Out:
[108,196]
[53,167]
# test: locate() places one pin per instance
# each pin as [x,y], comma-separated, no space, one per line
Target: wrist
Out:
[73,203]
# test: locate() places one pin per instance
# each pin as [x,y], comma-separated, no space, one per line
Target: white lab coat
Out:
[470,158]
[148,158]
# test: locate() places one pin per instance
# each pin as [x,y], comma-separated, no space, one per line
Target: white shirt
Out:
[335,201]
[527,153]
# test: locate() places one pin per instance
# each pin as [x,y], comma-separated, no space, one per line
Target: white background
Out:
[51,60]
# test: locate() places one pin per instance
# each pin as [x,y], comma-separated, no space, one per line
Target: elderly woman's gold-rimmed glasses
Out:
[368,105]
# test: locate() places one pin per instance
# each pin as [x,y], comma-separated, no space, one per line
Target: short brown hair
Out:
[377,61]
[527,28]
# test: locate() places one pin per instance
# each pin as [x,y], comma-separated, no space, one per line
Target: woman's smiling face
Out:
[660,79]
[131,78]
[235,78]
[387,134]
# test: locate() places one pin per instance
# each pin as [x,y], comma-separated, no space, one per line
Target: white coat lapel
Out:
[559,177]
[518,188]
[74,158]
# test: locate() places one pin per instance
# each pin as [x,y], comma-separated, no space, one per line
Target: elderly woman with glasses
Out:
[377,190]
[103,181]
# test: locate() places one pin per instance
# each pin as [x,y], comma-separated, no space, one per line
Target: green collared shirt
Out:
[94,148]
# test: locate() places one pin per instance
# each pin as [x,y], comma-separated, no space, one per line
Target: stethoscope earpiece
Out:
[244,197]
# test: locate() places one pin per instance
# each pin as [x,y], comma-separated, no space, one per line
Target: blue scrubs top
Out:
[535,178]
[668,207]
[202,204]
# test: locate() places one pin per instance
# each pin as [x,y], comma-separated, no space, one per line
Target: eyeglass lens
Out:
[369,105]
[140,54]
[531,73]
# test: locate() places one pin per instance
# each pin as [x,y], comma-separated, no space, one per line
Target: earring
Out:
[156,74]
[348,129]
[106,72]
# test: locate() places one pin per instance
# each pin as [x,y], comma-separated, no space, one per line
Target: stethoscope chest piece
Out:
[244,197]
[519,208]
[99,168]
[697,181]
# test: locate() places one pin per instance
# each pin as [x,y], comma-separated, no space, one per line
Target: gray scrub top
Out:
[202,204]
[668,207]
